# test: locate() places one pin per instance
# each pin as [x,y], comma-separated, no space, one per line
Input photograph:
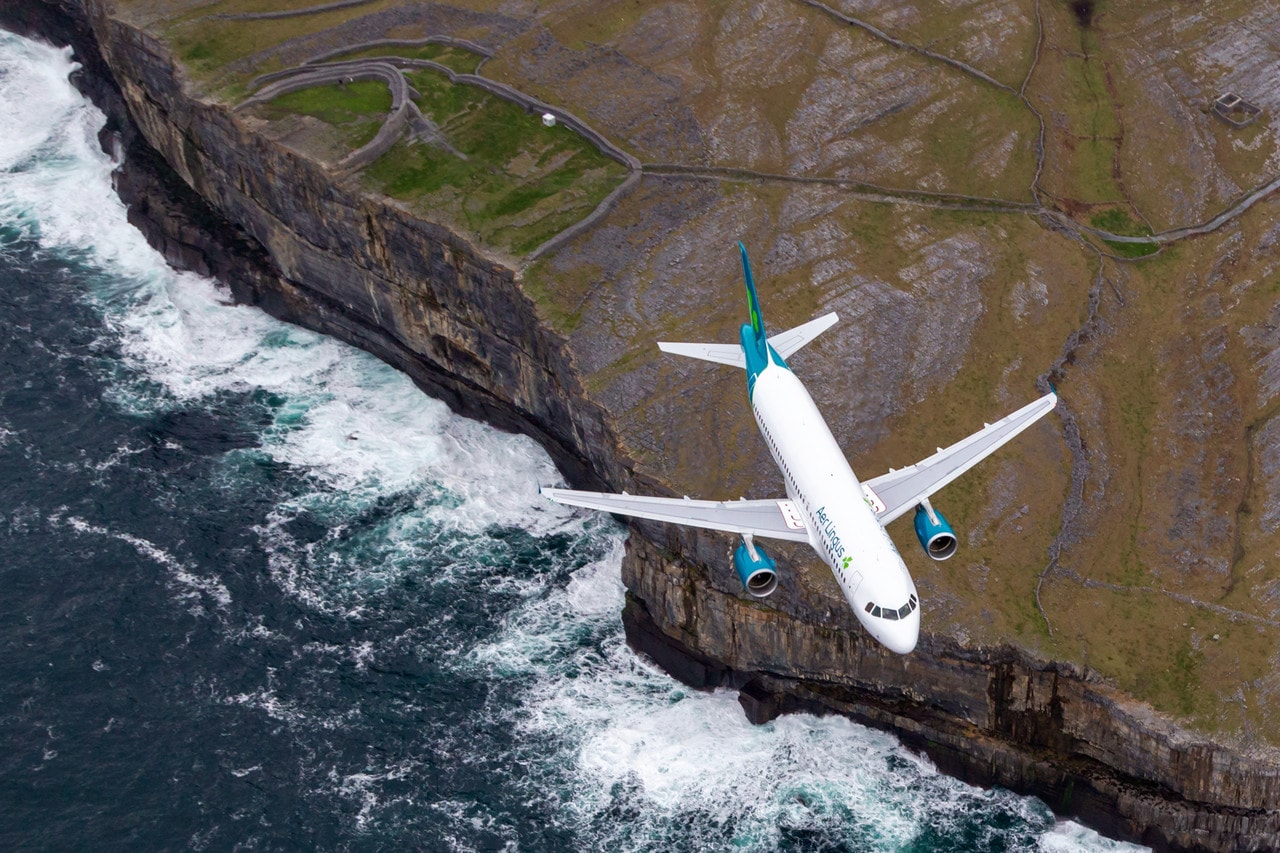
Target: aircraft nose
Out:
[904,636]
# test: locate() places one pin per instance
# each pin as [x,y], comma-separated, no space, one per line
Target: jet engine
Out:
[758,571]
[935,534]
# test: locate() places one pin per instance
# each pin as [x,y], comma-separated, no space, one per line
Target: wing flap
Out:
[771,519]
[902,489]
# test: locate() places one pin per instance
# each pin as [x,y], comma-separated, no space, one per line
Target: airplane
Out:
[826,506]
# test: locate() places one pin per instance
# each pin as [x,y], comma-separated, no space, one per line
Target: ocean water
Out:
[259,592]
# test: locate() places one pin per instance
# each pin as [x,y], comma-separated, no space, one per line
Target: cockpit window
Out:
[893,613]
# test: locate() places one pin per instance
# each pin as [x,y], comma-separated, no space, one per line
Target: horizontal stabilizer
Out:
[730,354]
[784,343]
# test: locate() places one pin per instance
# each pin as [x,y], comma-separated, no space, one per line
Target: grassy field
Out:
[521,182]
[1115,220]
[355,110]
[1071,86]
[517,182]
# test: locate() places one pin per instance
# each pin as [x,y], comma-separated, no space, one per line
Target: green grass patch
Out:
[355,109]
[1176,688]
[520,182]
[1084,135]
[604,24]
[411,171]
[1132,250]
[1116,220]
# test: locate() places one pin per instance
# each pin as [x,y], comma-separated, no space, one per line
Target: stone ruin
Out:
[1234,110]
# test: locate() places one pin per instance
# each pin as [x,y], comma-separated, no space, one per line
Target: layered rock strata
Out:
[318,251]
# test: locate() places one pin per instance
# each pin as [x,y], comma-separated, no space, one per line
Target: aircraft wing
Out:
[775,519]
[730,354]
[902,489]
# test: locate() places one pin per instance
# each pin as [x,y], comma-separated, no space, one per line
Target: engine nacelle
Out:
[935,534]
[758,571]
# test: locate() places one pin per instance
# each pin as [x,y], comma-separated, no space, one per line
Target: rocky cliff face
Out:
[288,236]
[988,715]
[333,259]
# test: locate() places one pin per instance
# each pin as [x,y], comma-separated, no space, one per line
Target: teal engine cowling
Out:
[935,534]
[758,571]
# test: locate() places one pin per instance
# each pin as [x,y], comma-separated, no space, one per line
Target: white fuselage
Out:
[842,525]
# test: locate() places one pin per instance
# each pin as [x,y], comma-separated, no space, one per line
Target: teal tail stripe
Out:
[757,322]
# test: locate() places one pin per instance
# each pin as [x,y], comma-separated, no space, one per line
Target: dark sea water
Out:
[258,592]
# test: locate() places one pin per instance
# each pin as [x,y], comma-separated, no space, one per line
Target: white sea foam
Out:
[685,765]
[192,585]
[1070,837]
[361,428]
[56,180]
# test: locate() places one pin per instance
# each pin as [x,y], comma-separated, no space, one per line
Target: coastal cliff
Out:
[286,234]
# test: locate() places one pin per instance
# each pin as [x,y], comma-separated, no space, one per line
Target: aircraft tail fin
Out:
[753,301]
[783,343]
[753,334]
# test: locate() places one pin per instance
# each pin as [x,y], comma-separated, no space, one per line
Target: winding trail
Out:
[1230,613]
[284,82]
[1073,506]
[1174,234]
[449,41]
[903,45]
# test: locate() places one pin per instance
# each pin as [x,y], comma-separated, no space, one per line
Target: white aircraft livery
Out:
[826,505]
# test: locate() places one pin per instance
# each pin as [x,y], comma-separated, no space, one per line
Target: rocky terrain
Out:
[964,184]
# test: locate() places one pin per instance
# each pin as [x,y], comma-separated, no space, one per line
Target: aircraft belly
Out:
[842,526]
[800,440]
